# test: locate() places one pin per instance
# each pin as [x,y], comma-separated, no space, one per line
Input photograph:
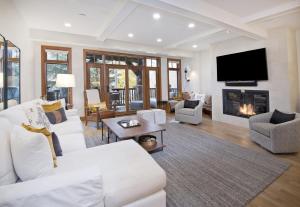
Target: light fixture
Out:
[130,35]
[156,16]
[65,81]
[67,24]
[158,40]
[191,25]
[186,74]
[195,46]
[82,14]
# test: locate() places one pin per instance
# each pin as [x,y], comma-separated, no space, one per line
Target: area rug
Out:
[206,171]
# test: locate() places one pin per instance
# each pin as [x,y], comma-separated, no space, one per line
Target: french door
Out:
[125,88]
[127,83]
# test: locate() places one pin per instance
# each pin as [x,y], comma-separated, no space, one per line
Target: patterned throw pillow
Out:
[57,116]
[36,116]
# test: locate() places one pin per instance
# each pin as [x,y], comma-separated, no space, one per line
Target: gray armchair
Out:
[192,116]
[277,138]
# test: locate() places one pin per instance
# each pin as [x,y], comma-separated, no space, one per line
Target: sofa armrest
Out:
[179,105]
[198,109]
[71,112]
[263,118]
[77,188]
[286,135]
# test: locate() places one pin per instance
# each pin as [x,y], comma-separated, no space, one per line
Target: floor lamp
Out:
[65,81]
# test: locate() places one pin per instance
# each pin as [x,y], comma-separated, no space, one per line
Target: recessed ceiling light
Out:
[195,46]
[191,25]
[159,40]
[67,24]
[130,35]
[156,16]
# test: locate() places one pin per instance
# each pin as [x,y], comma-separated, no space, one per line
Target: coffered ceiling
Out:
[114,20]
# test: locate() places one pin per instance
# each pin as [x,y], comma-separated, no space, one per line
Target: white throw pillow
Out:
[7,172]
[37,117]
[31,154]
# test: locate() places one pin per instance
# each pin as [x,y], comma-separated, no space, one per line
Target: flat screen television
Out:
[244,66]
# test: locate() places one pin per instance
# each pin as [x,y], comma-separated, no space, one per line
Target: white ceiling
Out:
[244,8]
[112,20]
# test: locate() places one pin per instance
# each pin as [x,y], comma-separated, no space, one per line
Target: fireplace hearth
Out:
[245,103]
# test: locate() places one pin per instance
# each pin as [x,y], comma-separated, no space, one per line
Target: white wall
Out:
[13,28]
[282,83]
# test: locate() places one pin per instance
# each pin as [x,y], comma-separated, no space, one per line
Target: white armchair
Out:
[188,115]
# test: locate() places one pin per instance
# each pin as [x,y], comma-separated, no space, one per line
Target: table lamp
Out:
[65,81]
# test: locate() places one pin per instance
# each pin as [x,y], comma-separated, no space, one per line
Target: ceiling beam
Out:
[204,12]
[118,15]
[273,12]
[195,37]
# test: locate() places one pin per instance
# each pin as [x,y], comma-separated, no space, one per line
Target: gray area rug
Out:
[206,171]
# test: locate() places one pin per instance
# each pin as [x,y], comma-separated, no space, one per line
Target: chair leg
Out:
[102,129]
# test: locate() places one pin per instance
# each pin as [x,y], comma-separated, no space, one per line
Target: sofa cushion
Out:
[56,144]
[71,126]
[191,104]
[129,174]
[31,154]
[279,117]
[7,173]
[80,188]
[263,128]
[71,142]
[186,111]
[15,115]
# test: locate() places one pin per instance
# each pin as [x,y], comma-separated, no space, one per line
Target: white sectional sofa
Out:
[113,175]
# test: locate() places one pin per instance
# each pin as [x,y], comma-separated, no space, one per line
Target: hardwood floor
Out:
[285,191]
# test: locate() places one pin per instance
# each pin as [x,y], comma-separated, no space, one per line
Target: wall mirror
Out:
[13,95]
[2,65]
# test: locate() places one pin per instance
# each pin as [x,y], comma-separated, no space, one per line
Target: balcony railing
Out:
[134,95]
[173,92]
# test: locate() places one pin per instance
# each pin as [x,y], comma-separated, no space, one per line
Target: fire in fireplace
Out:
[247,109]
[245,103]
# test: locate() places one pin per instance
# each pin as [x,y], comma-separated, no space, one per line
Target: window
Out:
[151,62]
[174,78]
[56,60]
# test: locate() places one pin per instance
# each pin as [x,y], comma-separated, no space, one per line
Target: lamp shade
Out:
[1,80]
[65,81]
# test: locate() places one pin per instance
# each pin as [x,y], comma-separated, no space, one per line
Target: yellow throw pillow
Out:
[52,107]
[102,107]
[48,135]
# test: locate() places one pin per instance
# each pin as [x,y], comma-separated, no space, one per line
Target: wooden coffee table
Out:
[130,133]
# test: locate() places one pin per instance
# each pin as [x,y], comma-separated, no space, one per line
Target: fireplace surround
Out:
[245,103]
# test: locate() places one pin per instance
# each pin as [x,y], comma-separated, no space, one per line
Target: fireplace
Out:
[245,103]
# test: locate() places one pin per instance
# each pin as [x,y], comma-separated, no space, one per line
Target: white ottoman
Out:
[159,116]
[147,115]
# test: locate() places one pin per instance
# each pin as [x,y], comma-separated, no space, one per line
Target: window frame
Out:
[44,62]
[178,69]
